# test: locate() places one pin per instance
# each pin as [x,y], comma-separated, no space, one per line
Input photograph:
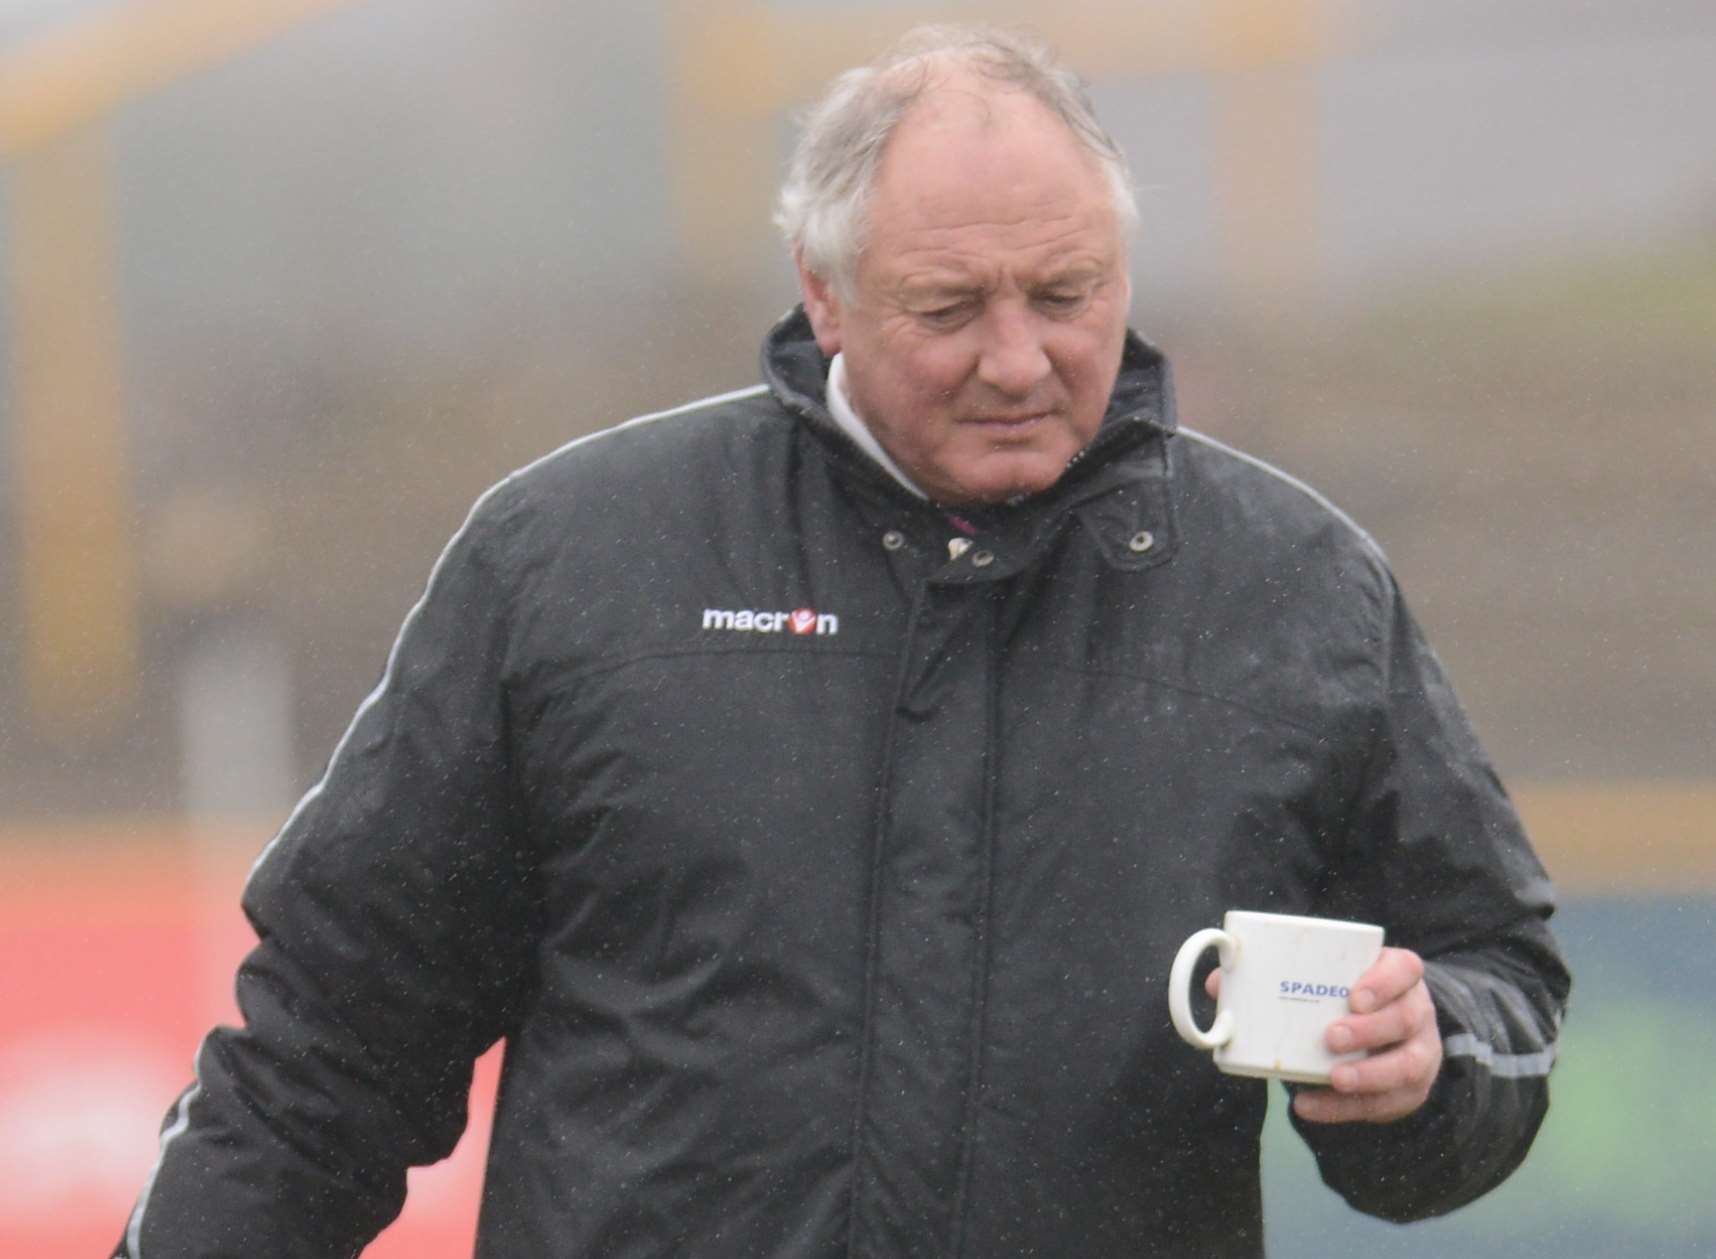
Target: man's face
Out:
[989,315]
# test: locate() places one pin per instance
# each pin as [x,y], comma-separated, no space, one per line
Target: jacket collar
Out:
[1116,487]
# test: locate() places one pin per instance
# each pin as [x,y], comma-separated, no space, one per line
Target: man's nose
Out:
[1012,359]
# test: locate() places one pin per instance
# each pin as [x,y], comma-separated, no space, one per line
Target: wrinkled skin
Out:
[989,308]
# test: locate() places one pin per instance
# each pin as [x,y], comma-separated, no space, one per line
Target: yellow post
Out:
[69,481]
[82,71]
[1264,145]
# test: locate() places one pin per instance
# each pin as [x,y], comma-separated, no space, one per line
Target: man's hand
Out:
[1394,1019]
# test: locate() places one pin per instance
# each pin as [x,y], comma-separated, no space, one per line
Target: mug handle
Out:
[1180,983]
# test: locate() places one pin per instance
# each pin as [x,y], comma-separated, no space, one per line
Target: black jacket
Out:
[823,881]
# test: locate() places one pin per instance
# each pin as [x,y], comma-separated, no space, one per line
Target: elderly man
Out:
[812,785]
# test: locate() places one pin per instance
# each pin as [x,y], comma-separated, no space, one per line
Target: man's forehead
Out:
[982,183]
[1037,244]
[1003,147]
[976,271]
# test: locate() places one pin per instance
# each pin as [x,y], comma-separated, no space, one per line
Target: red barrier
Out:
[115,959]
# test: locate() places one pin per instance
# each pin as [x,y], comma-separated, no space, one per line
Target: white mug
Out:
[1284,980]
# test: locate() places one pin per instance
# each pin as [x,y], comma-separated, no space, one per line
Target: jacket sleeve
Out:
[393,917]
[1436,854]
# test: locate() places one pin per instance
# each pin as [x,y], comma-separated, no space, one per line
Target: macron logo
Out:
[798,621]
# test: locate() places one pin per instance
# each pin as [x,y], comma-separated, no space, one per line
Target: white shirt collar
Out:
[852,424]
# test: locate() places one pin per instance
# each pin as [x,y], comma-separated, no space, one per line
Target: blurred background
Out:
[288,283]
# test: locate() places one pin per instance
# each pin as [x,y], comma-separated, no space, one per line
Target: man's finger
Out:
[1408,1068]
[1393,974]
[1328,1106]
[1394,1023]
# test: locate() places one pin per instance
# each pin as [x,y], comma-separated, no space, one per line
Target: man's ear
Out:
[823,307]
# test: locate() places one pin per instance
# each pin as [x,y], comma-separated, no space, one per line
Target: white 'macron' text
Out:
[798,621]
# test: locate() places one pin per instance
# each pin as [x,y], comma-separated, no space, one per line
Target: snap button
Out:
[957,547]
[983,559]
[1142,541]
[893,540]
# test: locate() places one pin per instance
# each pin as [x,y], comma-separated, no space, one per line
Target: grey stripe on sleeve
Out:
[1506,1066]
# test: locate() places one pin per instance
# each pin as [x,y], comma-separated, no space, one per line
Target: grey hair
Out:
[824,204]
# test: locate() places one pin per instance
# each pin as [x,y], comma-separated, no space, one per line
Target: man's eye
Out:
[1061,301]
[946,314]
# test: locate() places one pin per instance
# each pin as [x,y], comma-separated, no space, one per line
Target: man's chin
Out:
[1006,486]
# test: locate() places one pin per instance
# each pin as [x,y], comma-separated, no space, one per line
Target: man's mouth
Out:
[1005,424]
